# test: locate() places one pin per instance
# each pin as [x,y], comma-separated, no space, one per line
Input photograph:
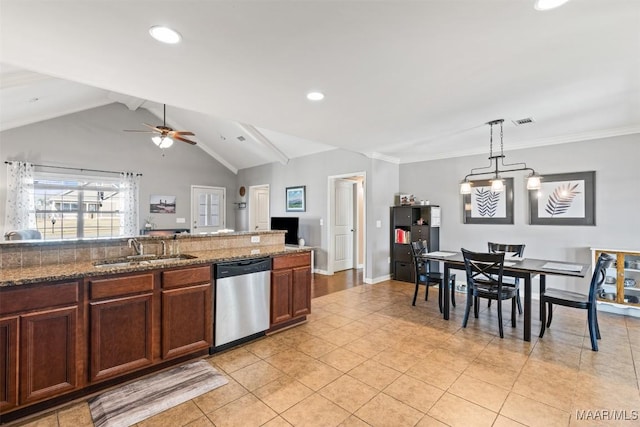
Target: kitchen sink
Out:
[140,260]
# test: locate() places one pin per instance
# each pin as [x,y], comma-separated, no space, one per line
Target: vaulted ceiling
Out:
[404,80]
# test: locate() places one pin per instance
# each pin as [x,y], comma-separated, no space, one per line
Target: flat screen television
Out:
[290,225]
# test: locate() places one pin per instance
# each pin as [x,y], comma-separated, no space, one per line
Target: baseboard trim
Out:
[370,281]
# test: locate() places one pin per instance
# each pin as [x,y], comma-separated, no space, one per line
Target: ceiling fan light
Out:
[165,34]
[533,182]
[162,141]
[465,187]
[543,5]
[497,185]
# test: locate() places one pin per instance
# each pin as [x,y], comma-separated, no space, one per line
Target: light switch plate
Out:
[255,239]
[378,224]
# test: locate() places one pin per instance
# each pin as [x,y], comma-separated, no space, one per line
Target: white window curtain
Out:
[20,206]
[129,188]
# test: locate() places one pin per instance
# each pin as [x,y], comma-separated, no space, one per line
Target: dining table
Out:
[524,268]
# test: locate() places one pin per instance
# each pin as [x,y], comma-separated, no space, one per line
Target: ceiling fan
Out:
[165,135]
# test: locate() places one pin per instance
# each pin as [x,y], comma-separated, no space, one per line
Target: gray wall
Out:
[381,184]
[617,165]
[94,139]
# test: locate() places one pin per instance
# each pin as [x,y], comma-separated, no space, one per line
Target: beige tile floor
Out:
[366,357]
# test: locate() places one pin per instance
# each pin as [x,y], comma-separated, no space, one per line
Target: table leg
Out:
[445,293]
[543,285]
[527,308]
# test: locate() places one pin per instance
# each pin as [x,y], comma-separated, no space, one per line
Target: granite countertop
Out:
[68,271]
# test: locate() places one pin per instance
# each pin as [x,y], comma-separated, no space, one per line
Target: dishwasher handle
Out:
[240,267]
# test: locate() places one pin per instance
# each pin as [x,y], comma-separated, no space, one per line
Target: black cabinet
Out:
[410,224]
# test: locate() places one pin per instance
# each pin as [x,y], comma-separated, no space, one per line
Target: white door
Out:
[342,224]
[208,207]
[259,208]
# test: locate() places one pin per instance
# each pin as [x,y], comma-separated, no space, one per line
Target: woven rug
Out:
[142,399]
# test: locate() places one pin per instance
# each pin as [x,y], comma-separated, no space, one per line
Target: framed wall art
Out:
[564,199]
[484,206]
[296,199]
[162,204]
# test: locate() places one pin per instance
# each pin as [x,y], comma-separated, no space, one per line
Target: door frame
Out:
[360,227]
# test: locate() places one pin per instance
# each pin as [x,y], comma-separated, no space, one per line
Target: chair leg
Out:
[453,289]
[513,312]
[415,293]
[467,308]
[519,302]
[543,317]
[550,314]
[489,303]
[500,318]
[592,330]
[476,307]
[595,317]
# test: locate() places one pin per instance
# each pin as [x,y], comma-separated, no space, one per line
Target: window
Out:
[69,207]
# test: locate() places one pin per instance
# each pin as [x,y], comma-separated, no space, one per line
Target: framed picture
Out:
[162,204]
[296,199]
[484,206]
[564,199]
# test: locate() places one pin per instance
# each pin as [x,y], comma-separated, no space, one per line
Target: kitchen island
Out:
[79,319]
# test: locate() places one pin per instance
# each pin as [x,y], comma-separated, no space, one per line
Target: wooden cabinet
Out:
[410,224]
[187,311]
[290,289]
[121,325]
[39,337]
[8,363]
[620,291]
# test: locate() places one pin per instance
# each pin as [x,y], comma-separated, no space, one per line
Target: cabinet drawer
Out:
[402,253]
[289,261]
[29,298]
[127,285]
[404,271]
[187,276]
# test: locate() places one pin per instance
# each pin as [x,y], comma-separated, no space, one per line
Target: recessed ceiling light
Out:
[165,34]
[315,96]
[548,4]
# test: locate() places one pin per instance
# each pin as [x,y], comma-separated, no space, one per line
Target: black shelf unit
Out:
[406,228]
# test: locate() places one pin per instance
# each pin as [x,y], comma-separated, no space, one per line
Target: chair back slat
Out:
[515,250]
[485,267]
[599,272]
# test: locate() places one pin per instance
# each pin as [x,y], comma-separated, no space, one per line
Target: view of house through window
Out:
[69,207]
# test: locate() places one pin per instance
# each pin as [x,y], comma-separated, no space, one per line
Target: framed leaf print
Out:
[484,206]
[564,199]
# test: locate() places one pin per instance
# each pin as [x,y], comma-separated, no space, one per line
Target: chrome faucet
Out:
[137,246]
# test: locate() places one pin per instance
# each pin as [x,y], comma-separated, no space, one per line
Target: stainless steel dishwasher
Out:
[242,300]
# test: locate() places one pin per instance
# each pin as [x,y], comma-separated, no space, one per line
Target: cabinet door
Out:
[281,283]
[403,216]
[8,363]
[301,299]
[187,320]
[121,335]
[47,353]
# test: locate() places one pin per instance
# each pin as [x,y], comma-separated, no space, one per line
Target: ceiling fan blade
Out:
[141,131]
[153,127]
[179,138]
[183,132]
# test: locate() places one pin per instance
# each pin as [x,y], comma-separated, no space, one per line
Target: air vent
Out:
[241,138]
[524,121]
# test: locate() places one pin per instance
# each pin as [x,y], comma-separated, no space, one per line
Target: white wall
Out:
[617,165]
[94,139]
[381,184]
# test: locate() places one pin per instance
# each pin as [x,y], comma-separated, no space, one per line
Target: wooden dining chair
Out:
[512,251]
[484,280]
[424,275]
[578,300]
